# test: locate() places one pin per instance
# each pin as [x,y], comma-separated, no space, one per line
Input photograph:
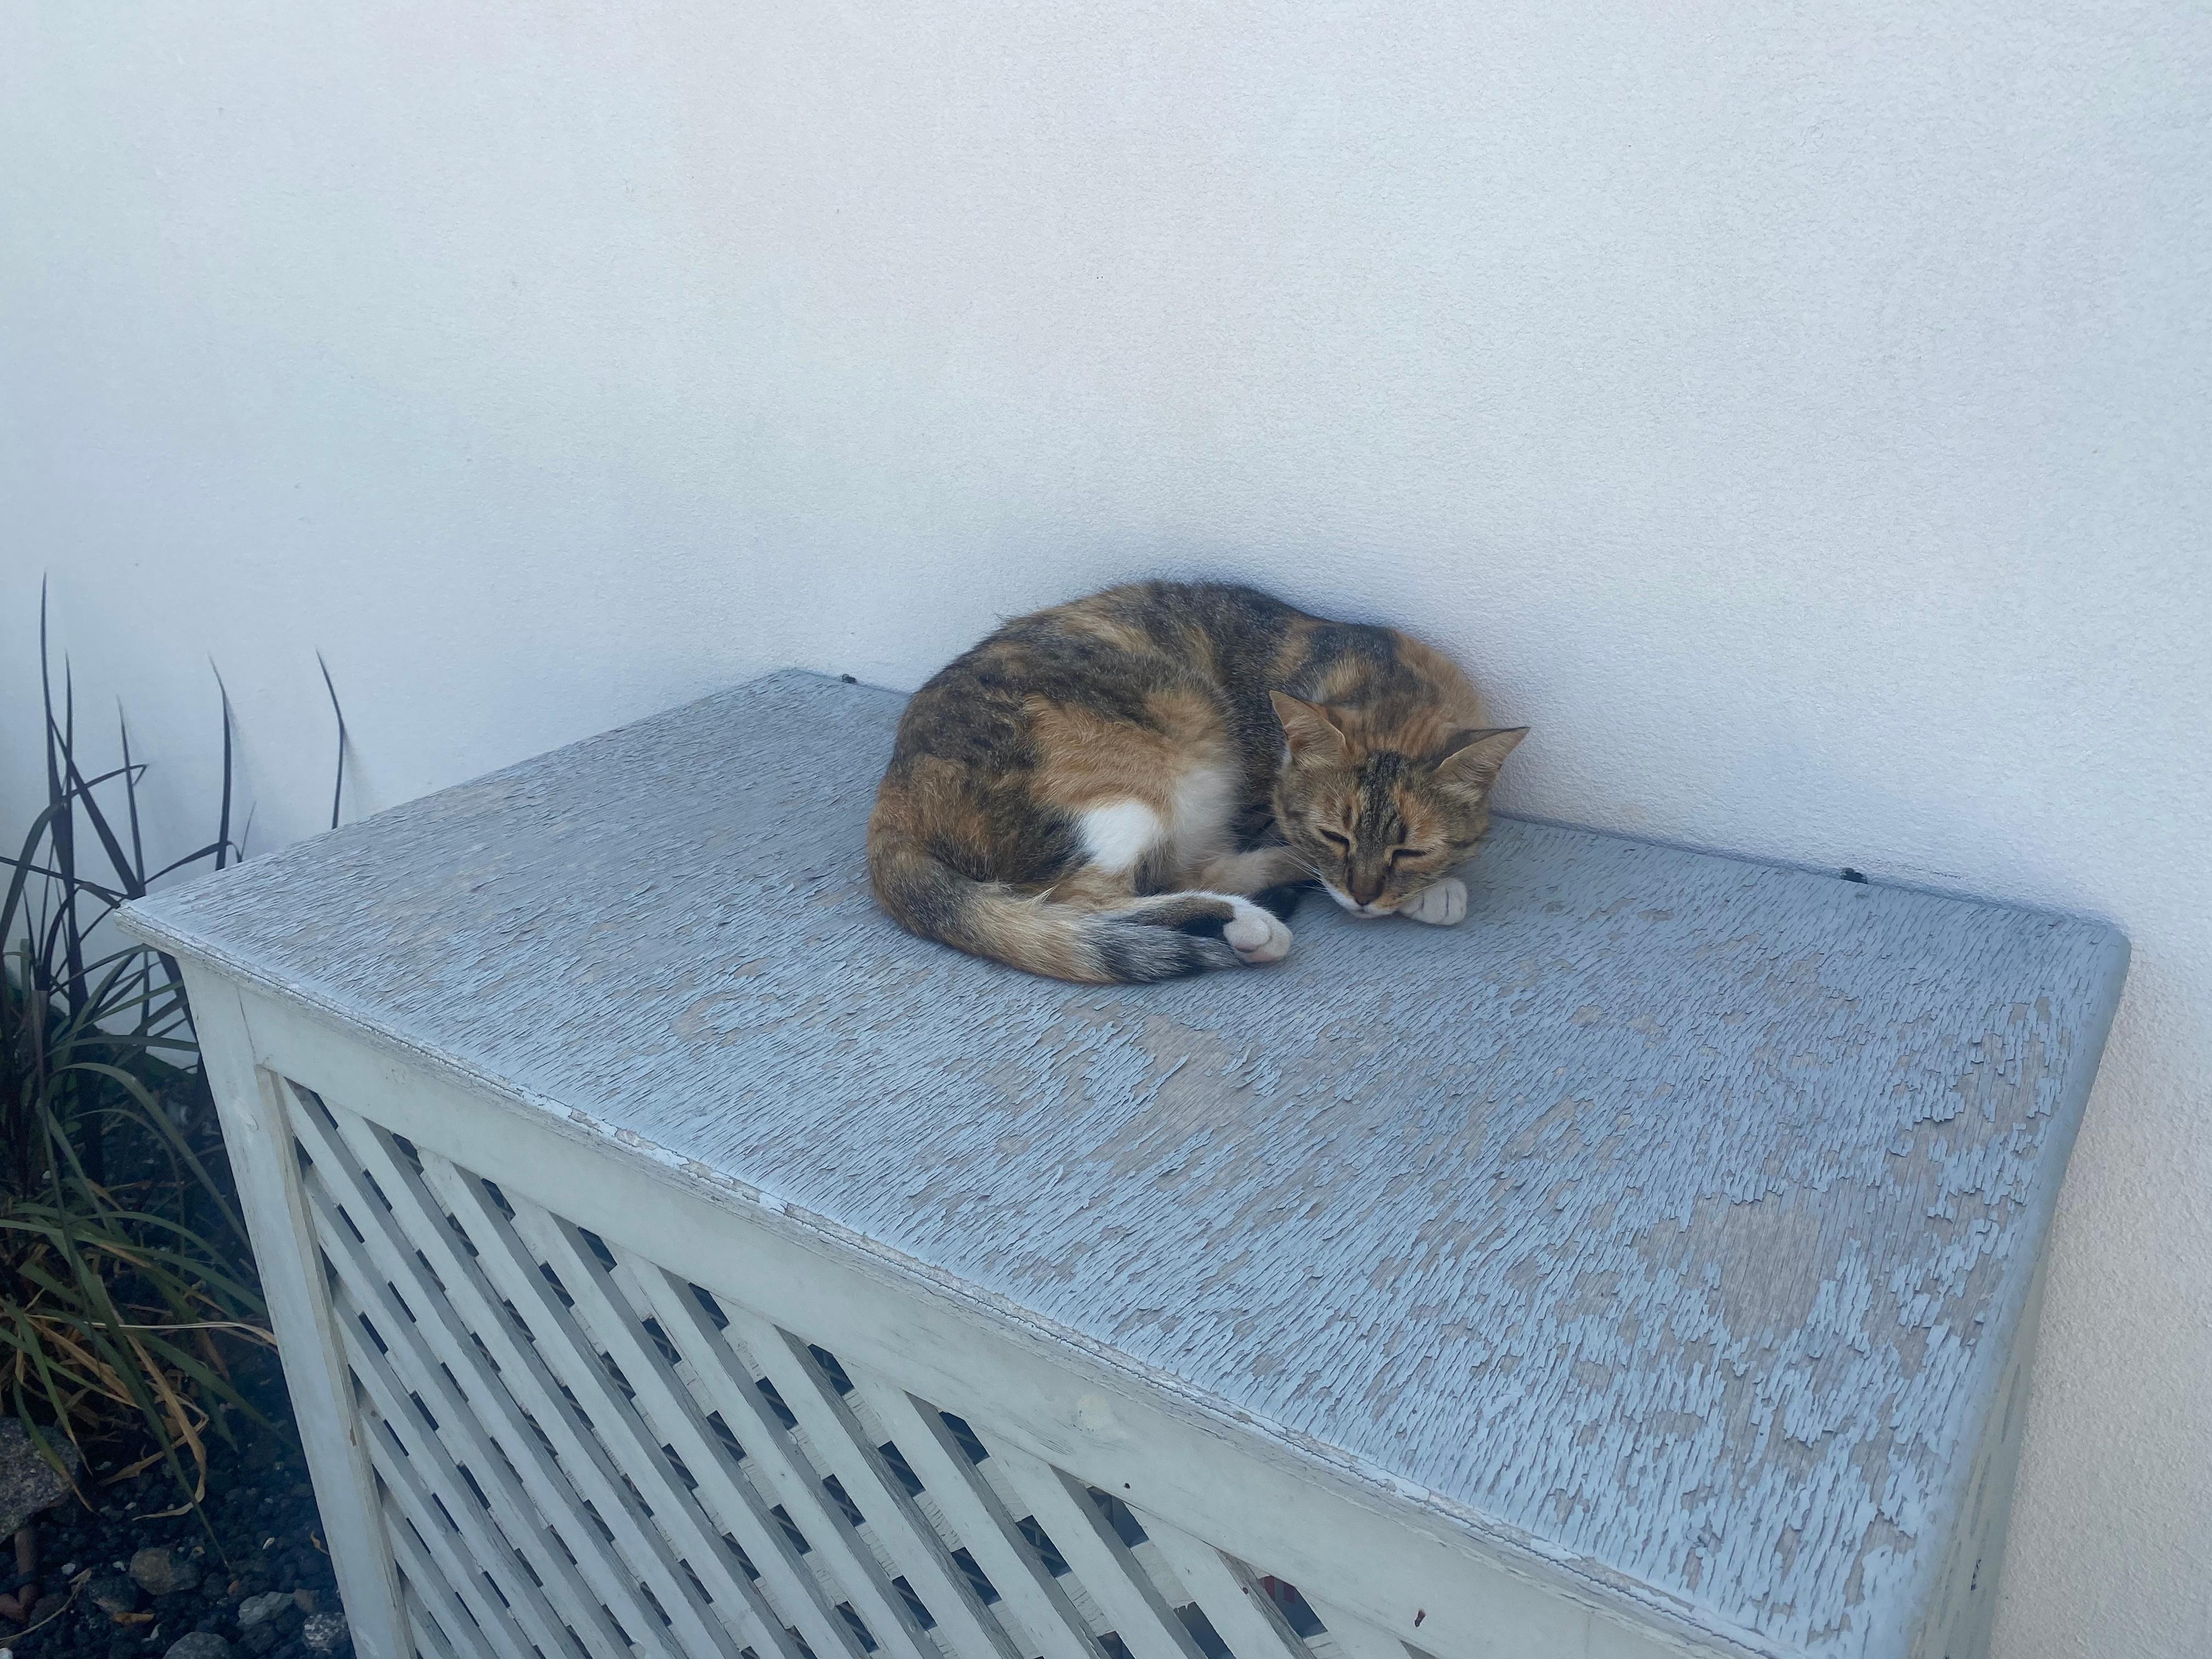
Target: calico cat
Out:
[1136,786]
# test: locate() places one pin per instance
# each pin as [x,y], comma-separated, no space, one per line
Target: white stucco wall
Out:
[1799,414]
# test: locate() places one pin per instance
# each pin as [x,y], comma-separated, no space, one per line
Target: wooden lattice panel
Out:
[578,1451]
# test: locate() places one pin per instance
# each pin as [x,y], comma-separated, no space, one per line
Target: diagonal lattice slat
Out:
[639,1576]
[809,1394]
[1235,1603]
[599,1376]
[578,1453]
[1030,1599]
[520,1488]
[1085,1537]
[385,1395]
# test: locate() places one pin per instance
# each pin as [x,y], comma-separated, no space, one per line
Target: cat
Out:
[1138,785]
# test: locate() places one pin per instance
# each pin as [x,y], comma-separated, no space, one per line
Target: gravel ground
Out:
[246,1576]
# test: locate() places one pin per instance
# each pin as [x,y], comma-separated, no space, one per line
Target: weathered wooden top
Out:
[1676,1211]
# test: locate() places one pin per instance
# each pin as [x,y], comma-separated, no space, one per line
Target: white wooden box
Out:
[670,1256]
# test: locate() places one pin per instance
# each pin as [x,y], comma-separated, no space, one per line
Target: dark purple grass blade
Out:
[125,877]
[222,817]
[130,795]
[337,786]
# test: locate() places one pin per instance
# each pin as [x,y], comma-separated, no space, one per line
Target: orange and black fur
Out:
[1136,786]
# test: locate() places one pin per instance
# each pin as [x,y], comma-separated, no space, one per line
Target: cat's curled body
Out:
[1132,786]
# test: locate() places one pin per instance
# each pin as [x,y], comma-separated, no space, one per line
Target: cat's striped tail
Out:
[1166,937]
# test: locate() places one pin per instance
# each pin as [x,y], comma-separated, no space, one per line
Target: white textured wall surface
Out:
[1801,416]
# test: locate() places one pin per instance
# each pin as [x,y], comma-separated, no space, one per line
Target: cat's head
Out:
[1379,823]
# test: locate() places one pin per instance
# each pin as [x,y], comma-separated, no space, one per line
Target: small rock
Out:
[200,1645]
[324,1632]
[112,1592]
[27,1482]
[304,1599]
[259,1610]
[160,1573]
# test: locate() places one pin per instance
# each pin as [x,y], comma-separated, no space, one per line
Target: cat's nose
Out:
[1366,892]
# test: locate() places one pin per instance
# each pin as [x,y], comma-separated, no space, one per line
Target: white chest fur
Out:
[1200,810]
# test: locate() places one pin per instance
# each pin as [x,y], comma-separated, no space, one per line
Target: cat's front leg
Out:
[1247,873]
[1444,905]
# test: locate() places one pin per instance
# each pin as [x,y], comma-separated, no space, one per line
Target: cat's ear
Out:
[1473,758]
[1312,733]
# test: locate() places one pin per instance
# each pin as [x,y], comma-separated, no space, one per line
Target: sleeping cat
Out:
[1136,786]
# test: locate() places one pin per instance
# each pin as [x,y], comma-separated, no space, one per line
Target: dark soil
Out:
[258,1532]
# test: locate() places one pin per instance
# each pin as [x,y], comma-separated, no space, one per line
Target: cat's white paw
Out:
[1256,935]
[1444,905]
